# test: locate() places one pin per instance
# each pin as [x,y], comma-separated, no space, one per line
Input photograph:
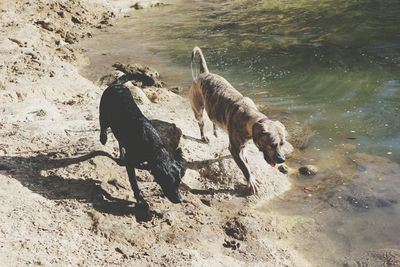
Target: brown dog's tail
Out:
[196,52]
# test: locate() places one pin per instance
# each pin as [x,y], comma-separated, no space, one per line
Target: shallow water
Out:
[348,212]
[334,65]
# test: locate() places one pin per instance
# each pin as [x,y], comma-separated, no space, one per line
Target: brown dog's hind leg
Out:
[215,130]
[198,110]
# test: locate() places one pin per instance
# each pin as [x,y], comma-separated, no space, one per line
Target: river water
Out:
[334,65]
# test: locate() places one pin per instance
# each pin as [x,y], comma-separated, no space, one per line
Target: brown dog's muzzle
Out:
[280,159]
[274,160]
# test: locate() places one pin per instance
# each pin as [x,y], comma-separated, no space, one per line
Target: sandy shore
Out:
[63,199]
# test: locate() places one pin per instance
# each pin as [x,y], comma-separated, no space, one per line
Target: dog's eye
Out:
[281,143]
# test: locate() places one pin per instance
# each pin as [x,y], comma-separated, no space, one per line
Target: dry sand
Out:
[63,199]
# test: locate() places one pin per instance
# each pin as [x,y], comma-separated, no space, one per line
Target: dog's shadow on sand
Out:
[28,171]
[191,138]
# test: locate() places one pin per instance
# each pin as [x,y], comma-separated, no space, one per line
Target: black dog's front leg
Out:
[122,155]
[135,187]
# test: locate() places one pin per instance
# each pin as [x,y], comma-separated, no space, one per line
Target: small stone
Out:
[69,39]
[75,20]
[206,202]
[308,188]
[137,6]
[308,170]
[123,253]
[45,25]
[283,169]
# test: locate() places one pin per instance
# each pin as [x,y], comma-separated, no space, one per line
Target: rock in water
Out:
[283,169]
[142,75]
[308,170]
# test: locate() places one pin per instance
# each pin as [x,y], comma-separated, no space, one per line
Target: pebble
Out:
[283,169]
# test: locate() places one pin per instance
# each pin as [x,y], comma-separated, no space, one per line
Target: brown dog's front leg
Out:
[253,183]
[203,137]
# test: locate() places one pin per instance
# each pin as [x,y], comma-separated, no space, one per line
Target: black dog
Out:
[139,142]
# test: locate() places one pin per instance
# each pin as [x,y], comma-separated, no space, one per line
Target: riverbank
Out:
[64,201]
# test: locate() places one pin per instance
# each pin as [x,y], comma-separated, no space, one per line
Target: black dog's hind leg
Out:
[122,155]
[103,125]
[135,187]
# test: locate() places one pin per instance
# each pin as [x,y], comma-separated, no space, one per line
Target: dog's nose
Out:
[280,159]
[175,198]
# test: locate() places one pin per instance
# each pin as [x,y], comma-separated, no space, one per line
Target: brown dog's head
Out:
[270,138]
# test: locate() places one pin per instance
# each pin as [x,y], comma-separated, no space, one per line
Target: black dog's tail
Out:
[196,52]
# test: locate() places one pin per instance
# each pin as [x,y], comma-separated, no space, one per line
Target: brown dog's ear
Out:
[258,129]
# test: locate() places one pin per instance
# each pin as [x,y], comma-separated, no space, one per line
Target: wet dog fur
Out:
[139,142]
[238,115]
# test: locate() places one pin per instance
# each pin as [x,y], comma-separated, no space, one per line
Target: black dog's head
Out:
[168,174]
[270,139]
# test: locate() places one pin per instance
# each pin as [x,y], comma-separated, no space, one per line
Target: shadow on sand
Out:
[27,170]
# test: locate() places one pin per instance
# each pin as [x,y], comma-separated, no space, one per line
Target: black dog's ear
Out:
[178,154]
[183,171]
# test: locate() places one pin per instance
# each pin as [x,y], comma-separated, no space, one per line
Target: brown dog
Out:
[238,115]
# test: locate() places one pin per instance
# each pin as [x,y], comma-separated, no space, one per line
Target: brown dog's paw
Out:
[254,185]
[205,139]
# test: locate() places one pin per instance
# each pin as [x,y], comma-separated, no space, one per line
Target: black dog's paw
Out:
[120,162]
[205,140]
[143,205]
[103,138]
